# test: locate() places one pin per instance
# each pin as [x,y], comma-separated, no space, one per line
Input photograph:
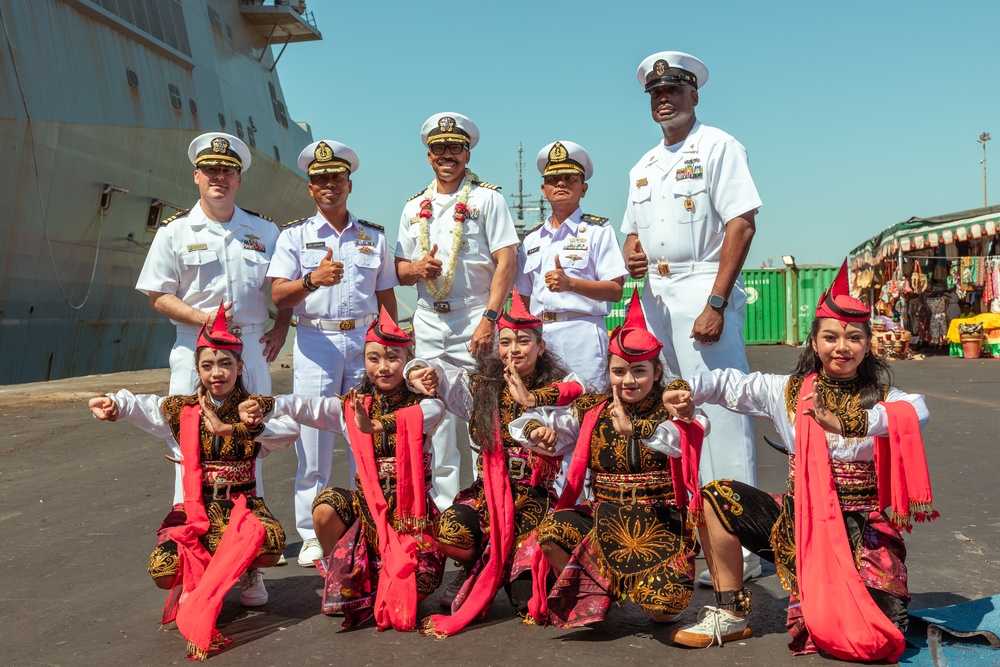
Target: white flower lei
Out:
[456,235]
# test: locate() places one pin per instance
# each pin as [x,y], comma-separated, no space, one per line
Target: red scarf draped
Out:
[838,611]
[683,470]
[903,481]
[203,579]
[500,505]
[396,597]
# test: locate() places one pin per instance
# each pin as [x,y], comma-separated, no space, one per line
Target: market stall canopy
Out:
[925,233]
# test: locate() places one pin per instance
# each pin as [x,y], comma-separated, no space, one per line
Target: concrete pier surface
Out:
[80,501]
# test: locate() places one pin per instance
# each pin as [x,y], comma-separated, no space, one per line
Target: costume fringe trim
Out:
[919,512]
[217,644]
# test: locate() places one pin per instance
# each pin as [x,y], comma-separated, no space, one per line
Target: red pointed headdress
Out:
[218,337]
[384,331]
[518,316]
[837,302]
[632,341]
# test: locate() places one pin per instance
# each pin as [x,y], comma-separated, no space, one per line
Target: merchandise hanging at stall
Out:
[934,283]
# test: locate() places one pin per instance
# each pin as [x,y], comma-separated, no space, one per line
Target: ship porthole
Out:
[133,78]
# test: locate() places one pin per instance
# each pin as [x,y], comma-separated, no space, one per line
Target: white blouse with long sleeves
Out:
[763,395]
[666,437]
[145,411]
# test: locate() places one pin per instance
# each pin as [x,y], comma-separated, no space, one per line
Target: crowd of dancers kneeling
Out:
[619,523]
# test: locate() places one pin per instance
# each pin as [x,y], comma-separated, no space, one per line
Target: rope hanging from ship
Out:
[38,191]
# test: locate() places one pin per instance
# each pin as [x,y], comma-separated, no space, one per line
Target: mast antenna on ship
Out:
[520,208]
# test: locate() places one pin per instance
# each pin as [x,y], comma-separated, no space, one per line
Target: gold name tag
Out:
[197,246]
[641,182]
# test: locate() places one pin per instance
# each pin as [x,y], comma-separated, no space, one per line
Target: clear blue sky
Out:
[856,115]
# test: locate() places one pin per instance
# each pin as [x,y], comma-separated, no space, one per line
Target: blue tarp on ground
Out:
[965,634]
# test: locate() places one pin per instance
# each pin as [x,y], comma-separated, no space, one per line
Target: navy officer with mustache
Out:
[458,246]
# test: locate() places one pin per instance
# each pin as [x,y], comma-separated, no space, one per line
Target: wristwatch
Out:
[716,301]
[491,315]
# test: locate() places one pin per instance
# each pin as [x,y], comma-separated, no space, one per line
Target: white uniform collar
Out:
[573,222]
[197,217]
[322,223]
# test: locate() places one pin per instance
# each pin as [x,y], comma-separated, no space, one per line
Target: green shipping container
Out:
[811,283]
[617,315]
[766,304]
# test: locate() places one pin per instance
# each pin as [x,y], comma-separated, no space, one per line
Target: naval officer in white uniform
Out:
[571,266]
[458,245]
[689,221]
[335,272]
[214,253]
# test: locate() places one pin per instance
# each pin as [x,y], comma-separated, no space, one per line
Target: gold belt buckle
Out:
[518,468]
[549,317]
[624,490]
[441,307]
[663,267]
[347,325]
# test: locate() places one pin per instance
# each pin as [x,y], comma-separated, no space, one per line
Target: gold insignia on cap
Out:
[660,67]
[446,123]
[220,145]
[323,152]
[558,153]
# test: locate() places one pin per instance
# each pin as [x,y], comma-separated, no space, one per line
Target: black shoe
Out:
[450,591]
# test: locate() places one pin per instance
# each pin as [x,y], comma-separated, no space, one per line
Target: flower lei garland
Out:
[457,234]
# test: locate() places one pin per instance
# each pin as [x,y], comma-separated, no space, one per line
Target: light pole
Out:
[983,138]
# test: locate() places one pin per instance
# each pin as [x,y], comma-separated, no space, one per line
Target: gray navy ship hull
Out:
[93,163]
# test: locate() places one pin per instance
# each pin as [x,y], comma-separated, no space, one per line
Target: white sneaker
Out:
[252,591]
[751,569]
[311,551]
[715,627]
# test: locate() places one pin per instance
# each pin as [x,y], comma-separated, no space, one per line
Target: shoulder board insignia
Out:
[593,219]
[179,214]
[294,222]
[416,195]
[533,229]
[489,186]
[246,210]
[372,225]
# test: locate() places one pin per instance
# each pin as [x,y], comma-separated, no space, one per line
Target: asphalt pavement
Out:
[80,501]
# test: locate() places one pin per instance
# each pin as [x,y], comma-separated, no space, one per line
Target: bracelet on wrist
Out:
[307,283]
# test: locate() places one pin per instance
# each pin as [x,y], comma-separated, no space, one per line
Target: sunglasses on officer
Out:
[440,149]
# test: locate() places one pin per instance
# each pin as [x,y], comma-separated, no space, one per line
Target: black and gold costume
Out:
[228,471]
[351,504]
[630,538]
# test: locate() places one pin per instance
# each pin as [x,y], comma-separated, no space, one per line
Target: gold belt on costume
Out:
[655,487]
[221,480]
[856,483]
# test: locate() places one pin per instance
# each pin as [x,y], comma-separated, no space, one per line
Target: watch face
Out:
[716,301]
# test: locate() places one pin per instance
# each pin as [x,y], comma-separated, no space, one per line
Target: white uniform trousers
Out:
[672,303]
[446,336]
[184,380]
[582,344]
[326,363]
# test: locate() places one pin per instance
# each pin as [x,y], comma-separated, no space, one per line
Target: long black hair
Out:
[490,384]
[874,372]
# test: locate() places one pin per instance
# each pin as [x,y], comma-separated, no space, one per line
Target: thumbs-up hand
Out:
[429,266]
[557,280]
[329,272]
[636,261]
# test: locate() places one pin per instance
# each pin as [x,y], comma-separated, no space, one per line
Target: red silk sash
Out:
[837,609]
[901,465]
[500,505]
[203,579]
[396,596]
